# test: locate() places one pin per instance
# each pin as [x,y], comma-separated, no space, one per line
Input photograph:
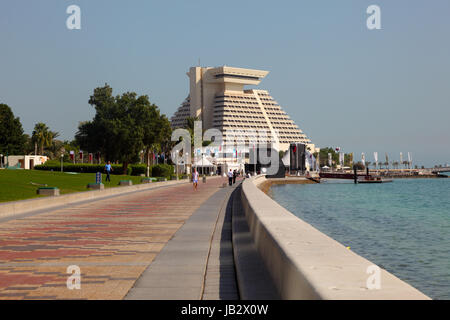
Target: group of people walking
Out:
[232,177]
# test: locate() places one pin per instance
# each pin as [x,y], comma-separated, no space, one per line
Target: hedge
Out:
[159,170]
[79,167]
[162,170]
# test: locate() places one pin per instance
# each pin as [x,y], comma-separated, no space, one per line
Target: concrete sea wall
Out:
[307,264]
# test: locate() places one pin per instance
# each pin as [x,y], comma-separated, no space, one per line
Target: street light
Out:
[175,156]
[62,158]
[186,164]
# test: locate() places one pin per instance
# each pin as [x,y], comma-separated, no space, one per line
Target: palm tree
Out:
[55,150]
[42,136]
[405,163]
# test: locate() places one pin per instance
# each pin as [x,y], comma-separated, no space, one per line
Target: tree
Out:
[29,145]
[156,126]
[55,150]
[348,160]
[123,126]
[43,136]
[12,139]
[323,156]
[358,165]
[405,163]
[69,146]
[165,135]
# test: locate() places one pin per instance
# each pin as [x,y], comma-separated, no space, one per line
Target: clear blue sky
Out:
[384,90]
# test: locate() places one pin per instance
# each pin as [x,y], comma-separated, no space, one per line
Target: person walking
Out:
[108,169]
[230,177]
[195,179]
[234,176]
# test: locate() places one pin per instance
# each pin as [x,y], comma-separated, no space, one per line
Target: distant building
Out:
[25,162]
[218,98]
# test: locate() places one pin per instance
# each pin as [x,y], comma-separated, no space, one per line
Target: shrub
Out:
[139,169]
[78,167]
[159,170]
[162,170]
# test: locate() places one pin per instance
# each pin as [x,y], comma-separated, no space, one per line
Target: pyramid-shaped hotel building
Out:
[218,98]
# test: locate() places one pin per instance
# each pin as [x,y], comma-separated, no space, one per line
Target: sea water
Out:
[402,226]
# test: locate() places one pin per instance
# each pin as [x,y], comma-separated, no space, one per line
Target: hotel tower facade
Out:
[218,98]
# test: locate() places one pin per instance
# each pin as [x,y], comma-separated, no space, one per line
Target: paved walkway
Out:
[197,263]
[113,242]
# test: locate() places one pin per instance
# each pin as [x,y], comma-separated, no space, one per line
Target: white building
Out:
[218,98]
[24,162]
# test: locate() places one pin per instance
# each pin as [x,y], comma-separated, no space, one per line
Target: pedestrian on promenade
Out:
[230,177]
[234,176]
[108,169]
[195,179]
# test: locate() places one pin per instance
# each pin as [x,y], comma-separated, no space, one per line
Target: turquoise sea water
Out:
[403,226]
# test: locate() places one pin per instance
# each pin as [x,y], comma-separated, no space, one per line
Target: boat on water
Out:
[373,179]
[357,178]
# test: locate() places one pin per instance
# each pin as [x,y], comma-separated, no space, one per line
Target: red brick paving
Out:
[112,241]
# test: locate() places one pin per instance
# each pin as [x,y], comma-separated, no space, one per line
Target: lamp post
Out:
[175,157]
[148,163]
[186,164]
[62,159]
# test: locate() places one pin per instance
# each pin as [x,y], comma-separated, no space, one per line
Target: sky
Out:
[344,85]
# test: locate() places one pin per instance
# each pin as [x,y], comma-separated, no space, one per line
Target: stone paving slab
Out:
[113,241]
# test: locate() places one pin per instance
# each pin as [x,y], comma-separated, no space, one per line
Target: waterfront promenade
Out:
[115,242]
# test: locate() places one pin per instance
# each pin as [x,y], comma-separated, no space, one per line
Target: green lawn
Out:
[18,184]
